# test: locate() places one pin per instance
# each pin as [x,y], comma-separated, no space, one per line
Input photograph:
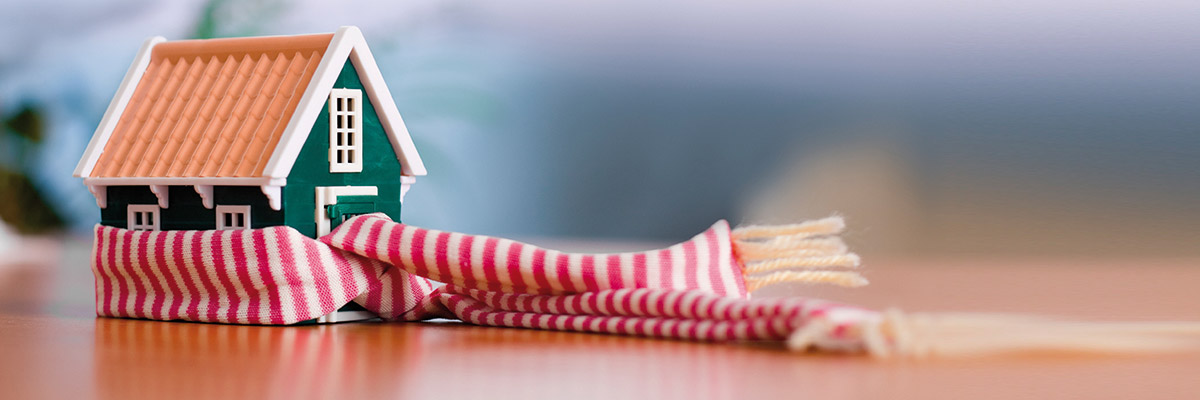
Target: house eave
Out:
[271,187]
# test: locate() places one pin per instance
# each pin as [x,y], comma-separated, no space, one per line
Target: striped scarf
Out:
[695,290]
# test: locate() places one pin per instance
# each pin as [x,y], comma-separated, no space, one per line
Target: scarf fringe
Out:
[894,334]
[771,254]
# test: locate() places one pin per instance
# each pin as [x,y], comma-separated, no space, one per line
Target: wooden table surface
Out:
[52,345]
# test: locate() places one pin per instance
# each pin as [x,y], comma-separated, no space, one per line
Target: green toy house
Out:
[253,132]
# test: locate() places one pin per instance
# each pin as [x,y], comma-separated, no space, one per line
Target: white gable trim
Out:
[347,44]
[115,108]
[385,106]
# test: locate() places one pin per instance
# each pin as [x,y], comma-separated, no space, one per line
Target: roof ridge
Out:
[241,45]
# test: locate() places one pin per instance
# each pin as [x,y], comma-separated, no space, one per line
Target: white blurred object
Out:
[868,180]
[17,250]
[7,240]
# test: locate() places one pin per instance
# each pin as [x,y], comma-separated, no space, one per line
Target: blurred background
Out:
[936,127]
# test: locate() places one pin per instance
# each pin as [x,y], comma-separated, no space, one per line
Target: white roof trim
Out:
[211,181]
[206,195]
[274,196]
[347,43]
[101,193]
[385,106]
[115,108]
[161,191]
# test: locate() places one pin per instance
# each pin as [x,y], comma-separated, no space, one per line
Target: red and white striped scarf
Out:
[694,290]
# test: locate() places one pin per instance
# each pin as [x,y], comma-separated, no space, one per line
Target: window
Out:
[143,217]
[345,130]
[233,217]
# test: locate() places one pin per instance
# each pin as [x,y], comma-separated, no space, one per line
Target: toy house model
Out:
[246,133]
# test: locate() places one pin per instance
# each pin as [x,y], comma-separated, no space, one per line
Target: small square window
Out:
[233,217]
[143,217]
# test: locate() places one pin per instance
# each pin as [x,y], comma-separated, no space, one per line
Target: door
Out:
[335,204]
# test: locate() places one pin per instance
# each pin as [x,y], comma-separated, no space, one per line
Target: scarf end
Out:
[808,252]
[894,334]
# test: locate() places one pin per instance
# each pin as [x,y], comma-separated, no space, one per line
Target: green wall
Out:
[380,166]
[187,211]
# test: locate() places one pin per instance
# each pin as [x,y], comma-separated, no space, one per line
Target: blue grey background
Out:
[934,126]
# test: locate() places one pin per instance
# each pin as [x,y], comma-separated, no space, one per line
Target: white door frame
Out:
[327,195]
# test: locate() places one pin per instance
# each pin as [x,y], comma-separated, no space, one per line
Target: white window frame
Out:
[234,212]
[150,211]
[345,130]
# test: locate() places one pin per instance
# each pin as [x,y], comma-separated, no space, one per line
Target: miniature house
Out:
[246,133]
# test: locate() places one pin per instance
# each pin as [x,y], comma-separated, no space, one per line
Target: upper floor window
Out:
[143,217]
[345,130]
[233,217]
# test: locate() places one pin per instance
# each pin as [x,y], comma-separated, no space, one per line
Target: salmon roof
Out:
[230,111]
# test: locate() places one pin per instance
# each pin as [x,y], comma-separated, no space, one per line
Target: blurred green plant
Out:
[22,206]
[226,18]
